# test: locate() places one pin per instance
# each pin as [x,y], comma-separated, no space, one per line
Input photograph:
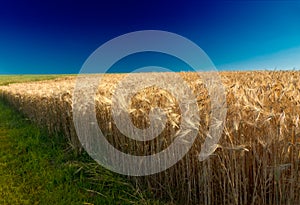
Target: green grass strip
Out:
[36,168]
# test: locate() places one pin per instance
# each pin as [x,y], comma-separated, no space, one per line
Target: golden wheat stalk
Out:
[257,160]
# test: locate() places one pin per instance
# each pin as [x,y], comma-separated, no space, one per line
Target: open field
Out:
[257,160]
[10,79]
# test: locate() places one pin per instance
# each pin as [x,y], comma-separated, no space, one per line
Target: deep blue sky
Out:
[58,36]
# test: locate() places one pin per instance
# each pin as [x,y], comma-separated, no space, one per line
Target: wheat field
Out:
[257,160]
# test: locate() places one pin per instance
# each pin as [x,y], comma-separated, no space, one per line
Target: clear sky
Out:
[58,36]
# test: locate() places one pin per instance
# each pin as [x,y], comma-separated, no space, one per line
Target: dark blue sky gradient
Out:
[58,36]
